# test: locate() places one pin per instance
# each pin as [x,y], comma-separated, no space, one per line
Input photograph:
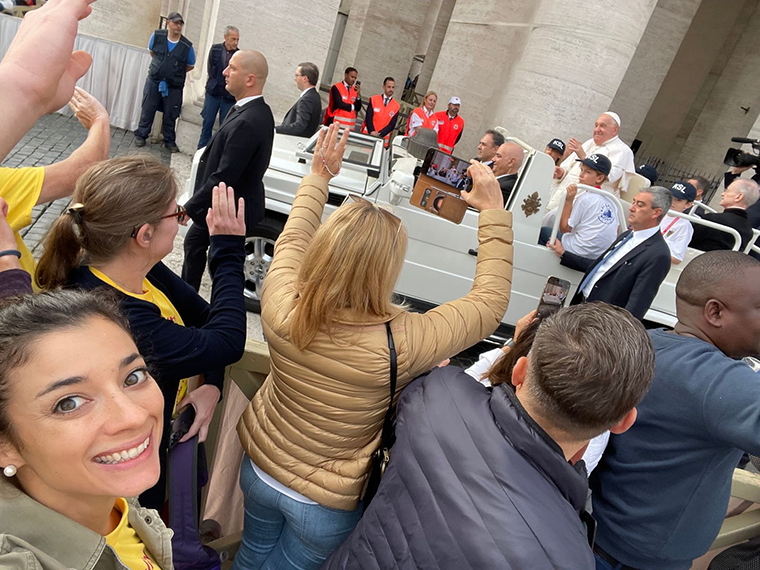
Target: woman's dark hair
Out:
[501,371]
[24,320]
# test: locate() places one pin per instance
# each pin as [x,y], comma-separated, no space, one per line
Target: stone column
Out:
[433,30]
[651,63]
[286,37]
[126,22]
[733,105]
[381,40]
[701,57]
[554,65]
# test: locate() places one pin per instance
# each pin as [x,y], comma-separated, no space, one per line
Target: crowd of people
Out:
[490,468]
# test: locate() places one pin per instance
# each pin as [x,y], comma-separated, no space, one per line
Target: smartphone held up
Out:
[438,190]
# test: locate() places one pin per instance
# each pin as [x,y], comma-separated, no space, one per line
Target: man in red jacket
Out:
[450,126]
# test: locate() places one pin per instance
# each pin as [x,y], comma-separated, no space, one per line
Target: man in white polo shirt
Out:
[677,231]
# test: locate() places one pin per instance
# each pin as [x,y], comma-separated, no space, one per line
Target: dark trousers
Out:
[211,107]
[152,101]
[196,246]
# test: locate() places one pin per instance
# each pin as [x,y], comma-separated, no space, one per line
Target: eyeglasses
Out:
[180,214]
[361,200]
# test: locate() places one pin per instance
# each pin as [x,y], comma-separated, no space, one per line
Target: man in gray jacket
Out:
[485,479]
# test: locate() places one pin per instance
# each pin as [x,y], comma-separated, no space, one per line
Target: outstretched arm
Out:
[39,70]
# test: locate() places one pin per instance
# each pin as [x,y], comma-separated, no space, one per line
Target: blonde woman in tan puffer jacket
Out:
[310,431]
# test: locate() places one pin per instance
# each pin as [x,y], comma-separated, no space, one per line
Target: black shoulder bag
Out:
[382,456]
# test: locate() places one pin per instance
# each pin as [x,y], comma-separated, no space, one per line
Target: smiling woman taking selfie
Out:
[80,422]
[123,222]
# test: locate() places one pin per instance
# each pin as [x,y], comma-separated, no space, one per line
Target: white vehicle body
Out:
[440,259]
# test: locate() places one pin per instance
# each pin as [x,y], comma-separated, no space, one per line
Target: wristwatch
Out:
[510,343]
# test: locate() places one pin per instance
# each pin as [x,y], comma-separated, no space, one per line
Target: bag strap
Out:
[385,440]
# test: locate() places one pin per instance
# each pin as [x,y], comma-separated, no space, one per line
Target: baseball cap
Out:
[683,191]
[556,144]
[597,162]
[175,17]
[455,101]
[648,172]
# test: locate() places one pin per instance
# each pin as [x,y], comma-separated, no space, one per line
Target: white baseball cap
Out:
[455,101]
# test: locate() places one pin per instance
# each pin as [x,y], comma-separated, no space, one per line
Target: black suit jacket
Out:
[507,184]
[238,155]
[303,118]
[709,239]
[631,283]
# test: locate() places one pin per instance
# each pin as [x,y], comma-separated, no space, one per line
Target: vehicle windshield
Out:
[360,150]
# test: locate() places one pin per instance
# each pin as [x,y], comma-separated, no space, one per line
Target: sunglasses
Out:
[361,200]
[180,214]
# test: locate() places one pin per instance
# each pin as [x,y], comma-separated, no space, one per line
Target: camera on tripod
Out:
[737,157]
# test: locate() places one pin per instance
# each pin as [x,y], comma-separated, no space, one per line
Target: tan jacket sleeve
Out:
[454,326]
[305,217]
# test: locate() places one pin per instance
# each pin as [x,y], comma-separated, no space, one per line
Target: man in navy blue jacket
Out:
[662,489]
[218,101]
[483,479]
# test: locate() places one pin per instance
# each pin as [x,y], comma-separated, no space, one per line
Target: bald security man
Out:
[506,162]
[238,155]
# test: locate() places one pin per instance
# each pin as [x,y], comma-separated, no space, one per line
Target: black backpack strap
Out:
[387,437]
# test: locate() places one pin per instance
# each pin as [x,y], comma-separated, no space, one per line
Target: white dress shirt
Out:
[245,100]
[677,233]
[616,255]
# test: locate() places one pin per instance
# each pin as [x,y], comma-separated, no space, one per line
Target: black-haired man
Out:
[661,490]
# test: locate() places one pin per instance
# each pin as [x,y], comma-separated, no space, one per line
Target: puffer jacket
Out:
[473,483]
[34,537]
[316,421]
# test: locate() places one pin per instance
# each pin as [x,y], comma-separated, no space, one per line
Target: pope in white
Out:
[605,141]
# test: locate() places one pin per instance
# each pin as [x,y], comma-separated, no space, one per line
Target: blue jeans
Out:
[281,533]
[212,106]
[545,234]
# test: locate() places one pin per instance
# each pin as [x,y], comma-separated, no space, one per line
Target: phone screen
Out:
[553,297]
[439,186]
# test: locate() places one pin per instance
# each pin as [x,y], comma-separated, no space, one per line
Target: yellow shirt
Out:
[21,187]
[127,545]
[152,294]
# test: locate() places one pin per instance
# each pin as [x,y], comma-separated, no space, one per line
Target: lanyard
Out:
[670,225]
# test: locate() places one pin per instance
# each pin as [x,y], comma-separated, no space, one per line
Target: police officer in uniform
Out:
[173,56]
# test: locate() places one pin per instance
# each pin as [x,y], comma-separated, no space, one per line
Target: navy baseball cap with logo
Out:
[648,172]
[597,162]
[683,191]
[556,144]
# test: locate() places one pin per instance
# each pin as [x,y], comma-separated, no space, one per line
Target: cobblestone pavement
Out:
[52,139]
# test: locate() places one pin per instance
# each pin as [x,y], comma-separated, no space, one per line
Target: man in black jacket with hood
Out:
[483,479]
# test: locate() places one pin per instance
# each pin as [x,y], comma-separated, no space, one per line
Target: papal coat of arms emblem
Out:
[531,205]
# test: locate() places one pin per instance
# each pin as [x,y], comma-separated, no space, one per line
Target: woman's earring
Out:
[9,471]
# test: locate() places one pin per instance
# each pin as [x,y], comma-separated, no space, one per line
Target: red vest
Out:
[345,118]
[382,115]
[448,131]
[427,122]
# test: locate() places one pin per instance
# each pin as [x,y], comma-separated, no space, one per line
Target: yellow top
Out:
[21,187]
[154,295]
[127,545]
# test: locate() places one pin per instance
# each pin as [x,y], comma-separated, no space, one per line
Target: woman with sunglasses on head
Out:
[80,422]
[122,223]
[311,430]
